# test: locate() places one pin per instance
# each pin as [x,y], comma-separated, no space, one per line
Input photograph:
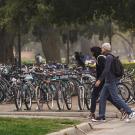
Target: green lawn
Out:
[17,126]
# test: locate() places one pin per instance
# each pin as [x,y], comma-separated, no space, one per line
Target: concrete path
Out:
[111,127]
[114,127]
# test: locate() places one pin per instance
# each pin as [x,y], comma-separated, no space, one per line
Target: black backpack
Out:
[117,67]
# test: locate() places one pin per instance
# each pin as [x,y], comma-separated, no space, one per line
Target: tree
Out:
[23,15]
[6,38]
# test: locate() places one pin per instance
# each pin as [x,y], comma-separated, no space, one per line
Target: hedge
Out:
[129,65]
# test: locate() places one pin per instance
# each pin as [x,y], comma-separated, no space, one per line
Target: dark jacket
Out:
[100,65]
[107,73]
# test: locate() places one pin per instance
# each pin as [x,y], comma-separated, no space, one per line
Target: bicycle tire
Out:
[50,96]
[2,97]
[17,98]
[81,97]
[60,97]
[123,91]
[28,98]
[68,95]
[39,98]
[88,92]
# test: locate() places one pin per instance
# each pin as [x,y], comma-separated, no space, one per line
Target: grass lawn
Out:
[22,126]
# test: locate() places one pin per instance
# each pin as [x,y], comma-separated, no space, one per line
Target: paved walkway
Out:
[8,110]
[114,127]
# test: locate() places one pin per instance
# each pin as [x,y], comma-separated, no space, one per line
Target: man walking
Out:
[110,87]
[100,64]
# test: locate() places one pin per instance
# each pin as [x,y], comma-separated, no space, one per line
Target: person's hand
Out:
[97,83]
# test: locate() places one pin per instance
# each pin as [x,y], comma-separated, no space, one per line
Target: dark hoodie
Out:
[100,64]
[79,60]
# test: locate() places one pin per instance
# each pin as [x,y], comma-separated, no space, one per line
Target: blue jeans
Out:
[111,89]
[95,95]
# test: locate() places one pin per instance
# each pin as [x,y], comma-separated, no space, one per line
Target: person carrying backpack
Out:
[100,64]
[110,86]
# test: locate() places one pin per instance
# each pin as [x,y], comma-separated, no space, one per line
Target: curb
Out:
[55,114]
[59,114]
[81,129]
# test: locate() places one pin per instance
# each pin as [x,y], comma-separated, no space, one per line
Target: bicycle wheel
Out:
[132,90]
[32,90]
[88,91]
[39,98]
[81,97]
[17,97]
[50,96]
[123,92]
[2,96]
[67,92]
[28,98]
[60,97]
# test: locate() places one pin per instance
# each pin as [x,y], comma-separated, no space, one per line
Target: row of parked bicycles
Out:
[55,86]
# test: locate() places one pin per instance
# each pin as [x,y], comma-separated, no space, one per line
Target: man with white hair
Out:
[110,86]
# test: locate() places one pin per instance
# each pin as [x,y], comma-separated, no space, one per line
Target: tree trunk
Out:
[6,47]
[50,40]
